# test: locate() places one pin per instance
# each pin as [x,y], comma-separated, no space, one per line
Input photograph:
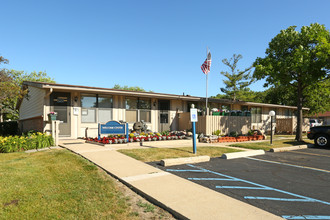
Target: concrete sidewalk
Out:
[183,198]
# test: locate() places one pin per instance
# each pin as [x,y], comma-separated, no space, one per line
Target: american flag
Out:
[206,66]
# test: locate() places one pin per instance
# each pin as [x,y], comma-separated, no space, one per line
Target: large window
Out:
[104,108]
[96,108]
[256,115]
[287,112]
[138,109]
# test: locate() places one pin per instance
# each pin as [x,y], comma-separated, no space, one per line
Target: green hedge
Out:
[8,128]
[21,143]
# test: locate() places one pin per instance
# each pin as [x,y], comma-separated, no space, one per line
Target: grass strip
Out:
[157,154]
[57,185]
[265,145]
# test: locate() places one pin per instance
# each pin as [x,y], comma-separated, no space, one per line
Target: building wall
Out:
[32,105]
[35,123]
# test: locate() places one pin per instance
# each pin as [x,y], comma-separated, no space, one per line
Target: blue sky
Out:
[158,45]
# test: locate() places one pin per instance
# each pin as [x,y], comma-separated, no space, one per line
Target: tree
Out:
[298,60]
[8,89]
[132,88]
[11,89]
[238,81]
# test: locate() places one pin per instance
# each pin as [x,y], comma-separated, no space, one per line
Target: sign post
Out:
[194,119]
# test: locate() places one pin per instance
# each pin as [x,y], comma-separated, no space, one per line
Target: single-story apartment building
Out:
[81,108]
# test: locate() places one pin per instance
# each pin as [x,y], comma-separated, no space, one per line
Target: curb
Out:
[43,149]
[184,160]
[249,153]
[283,149]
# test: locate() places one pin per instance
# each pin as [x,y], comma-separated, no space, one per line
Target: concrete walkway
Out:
[183,198]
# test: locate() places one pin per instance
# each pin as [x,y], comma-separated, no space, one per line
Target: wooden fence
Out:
[208,124]
[241,124]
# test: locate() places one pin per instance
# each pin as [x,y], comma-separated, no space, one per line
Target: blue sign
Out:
[113,127]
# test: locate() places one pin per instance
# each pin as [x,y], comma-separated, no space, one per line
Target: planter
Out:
[52,117]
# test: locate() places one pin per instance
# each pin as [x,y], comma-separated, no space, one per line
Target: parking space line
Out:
[242,187]
[197,171]
[308,217]
[298,152]
[291,165]
[279,199]
[302,198]
[299,198]
[220,179]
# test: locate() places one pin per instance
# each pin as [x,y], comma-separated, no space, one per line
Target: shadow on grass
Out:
[294,143]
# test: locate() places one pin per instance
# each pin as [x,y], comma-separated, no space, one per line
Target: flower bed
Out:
[135,137]
[241,138]
[21,143]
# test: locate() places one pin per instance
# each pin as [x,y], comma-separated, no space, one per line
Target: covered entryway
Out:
[61,103]
[164,113]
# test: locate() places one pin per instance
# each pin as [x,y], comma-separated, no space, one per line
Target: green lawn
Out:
[265,145]
[157,154]
[57,184]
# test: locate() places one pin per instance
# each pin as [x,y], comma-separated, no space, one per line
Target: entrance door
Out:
[61,103]
[164,113]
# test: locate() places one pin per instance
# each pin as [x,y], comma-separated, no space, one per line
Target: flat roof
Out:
[88,89]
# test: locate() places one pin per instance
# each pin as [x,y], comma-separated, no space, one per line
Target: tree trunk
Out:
[299,112]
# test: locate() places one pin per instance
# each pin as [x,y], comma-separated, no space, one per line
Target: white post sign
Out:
[193,115]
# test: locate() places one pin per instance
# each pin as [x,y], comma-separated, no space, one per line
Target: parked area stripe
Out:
[291,165]
[297,152]
[279,199]
[242,187]
[259,186]
[197,171]
[309,217]
[212,179]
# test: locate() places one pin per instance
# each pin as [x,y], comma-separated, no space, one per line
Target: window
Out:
[96,105]
[104,104]
[256,115]
[88,108]
[138,109]
[287,112]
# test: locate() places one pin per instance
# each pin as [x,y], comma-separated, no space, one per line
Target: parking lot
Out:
[294,184]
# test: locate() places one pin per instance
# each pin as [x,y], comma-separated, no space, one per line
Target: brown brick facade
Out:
[36,124]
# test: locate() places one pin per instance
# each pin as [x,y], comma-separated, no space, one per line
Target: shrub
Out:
[9,128]
[217,132]
[233,134]
[21,143]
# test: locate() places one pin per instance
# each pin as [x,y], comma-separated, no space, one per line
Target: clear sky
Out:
[158,45]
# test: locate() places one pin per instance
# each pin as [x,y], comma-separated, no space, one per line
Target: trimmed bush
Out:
[8,128]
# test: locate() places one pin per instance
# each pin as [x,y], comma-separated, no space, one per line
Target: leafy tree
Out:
[248,96]
[298,60]
[12,86]
[21,76]
[132,88]
[238,81]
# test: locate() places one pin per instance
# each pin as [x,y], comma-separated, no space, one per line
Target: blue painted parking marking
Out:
[241,187]
[256,186]
[222,179]
[198,171]
[310,217]
[279,199]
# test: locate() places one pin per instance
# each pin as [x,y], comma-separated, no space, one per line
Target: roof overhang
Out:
[87,89]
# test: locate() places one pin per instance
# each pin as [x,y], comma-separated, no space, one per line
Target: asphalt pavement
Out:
[293,185]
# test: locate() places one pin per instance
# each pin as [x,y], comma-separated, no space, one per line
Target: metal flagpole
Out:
[207,75]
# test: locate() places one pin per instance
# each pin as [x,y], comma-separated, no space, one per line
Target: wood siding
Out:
[209,124]
[33,106]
